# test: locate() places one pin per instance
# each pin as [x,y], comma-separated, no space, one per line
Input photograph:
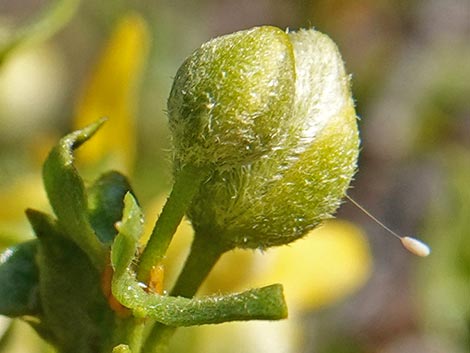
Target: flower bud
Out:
[232,99]
[271,114]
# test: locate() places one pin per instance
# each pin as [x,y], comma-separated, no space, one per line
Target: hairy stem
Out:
[186,185]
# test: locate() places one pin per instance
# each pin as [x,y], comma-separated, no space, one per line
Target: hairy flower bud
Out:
[271,114]
[232,100]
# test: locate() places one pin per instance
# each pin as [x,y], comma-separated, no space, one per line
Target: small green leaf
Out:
[75,313]
[19,280]
[67,195]
[105,203]
[130,230]
[265,303]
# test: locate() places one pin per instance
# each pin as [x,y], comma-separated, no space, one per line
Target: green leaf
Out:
[105,203]
[75,313]
[67,196]
[130,230]
[19,280]
[265,303]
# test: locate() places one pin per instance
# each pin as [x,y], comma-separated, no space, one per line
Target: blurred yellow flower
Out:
[240,337]
[26,191]
[111,91]
[330,263]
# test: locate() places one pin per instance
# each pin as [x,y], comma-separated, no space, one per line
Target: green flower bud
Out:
[270,114]
[231,100]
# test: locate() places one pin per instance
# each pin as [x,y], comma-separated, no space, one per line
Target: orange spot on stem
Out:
[155,284]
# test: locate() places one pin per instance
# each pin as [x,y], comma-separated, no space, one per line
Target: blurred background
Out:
[66,63]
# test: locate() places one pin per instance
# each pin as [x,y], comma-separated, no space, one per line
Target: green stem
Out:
[129,331]
[158,340]
[205,252]
[186,185]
